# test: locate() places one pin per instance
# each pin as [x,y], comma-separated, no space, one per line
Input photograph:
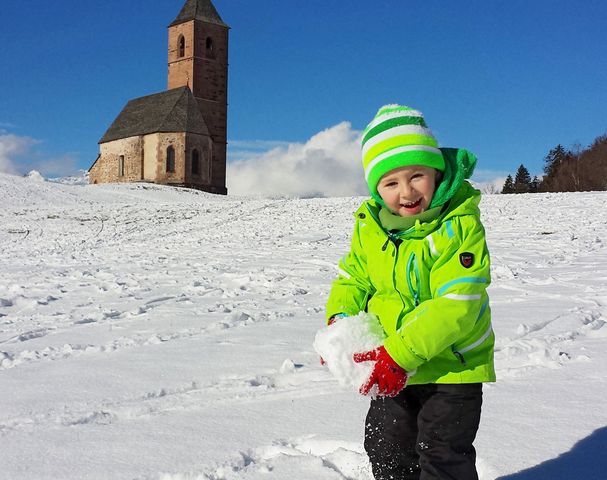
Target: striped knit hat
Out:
[397,137]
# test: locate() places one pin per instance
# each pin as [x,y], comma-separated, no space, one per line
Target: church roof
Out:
[198,10]
[175,110]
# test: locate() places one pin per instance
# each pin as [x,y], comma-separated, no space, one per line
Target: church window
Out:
[170,158]
[209,45]
[121,166]
[181,42]
[195,163]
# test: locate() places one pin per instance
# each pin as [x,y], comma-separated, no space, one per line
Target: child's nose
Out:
[405,189]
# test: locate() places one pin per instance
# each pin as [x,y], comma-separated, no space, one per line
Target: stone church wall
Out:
[145,159]
[177,141]
[180,68]
[203,145]
[150,157]
[210,81]
[107,167]
[219,166]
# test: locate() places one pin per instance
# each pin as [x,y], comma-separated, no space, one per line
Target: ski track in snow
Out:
[99,277]
[231,390]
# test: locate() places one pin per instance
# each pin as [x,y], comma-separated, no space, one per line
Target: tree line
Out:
[573,170]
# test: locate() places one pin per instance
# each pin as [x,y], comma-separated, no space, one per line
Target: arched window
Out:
[121,166]
[170,159]
[181,46]
[195,163]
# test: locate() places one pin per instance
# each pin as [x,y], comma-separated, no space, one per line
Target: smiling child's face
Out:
[408,190]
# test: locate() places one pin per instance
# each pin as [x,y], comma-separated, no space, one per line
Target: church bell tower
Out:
[198,59]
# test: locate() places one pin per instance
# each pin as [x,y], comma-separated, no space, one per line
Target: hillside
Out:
[156,333]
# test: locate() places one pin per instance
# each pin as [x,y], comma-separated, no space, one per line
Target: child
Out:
[419,262]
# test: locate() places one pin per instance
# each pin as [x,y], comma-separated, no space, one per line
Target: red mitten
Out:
[388,375]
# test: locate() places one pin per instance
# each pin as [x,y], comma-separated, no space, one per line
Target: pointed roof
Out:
[199,10]
[175,110]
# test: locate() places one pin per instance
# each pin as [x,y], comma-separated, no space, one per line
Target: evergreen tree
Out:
[534,186]
[508,185]
[554,158]
[522,180]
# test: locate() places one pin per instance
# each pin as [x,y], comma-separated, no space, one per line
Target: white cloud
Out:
[328,164]
[489,181]
[11,147]
[18,156]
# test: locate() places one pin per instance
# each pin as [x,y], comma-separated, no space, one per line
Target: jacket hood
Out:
[459,166]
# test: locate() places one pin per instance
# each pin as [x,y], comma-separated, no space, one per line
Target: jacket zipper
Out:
[385,245]
[396,240]
[413,268]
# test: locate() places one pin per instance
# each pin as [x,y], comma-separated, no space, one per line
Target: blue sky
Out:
[507,80]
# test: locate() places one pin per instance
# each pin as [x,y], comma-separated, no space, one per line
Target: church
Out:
[179,136]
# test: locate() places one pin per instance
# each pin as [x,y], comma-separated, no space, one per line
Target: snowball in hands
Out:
[349,335]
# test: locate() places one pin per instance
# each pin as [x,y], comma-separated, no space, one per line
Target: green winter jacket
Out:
[428,288]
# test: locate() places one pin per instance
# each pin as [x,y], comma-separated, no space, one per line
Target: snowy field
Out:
[154,333]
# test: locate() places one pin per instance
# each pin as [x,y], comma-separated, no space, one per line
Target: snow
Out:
[35,176]
[156,333]
[337,343]
[81,177]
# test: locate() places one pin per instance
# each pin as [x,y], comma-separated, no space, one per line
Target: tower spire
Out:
[198,10]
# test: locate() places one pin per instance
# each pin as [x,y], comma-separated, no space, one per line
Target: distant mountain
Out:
[80,178]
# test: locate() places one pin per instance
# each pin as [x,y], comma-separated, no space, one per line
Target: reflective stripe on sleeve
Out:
[456,281]
[455,296]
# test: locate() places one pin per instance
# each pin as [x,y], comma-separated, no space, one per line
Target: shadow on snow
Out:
[586,460]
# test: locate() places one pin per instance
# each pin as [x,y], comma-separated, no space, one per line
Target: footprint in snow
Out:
[309,457]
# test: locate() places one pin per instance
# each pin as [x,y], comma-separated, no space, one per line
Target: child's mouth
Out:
[411,205]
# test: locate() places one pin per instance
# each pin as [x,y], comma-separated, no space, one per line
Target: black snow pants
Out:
[425,433]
